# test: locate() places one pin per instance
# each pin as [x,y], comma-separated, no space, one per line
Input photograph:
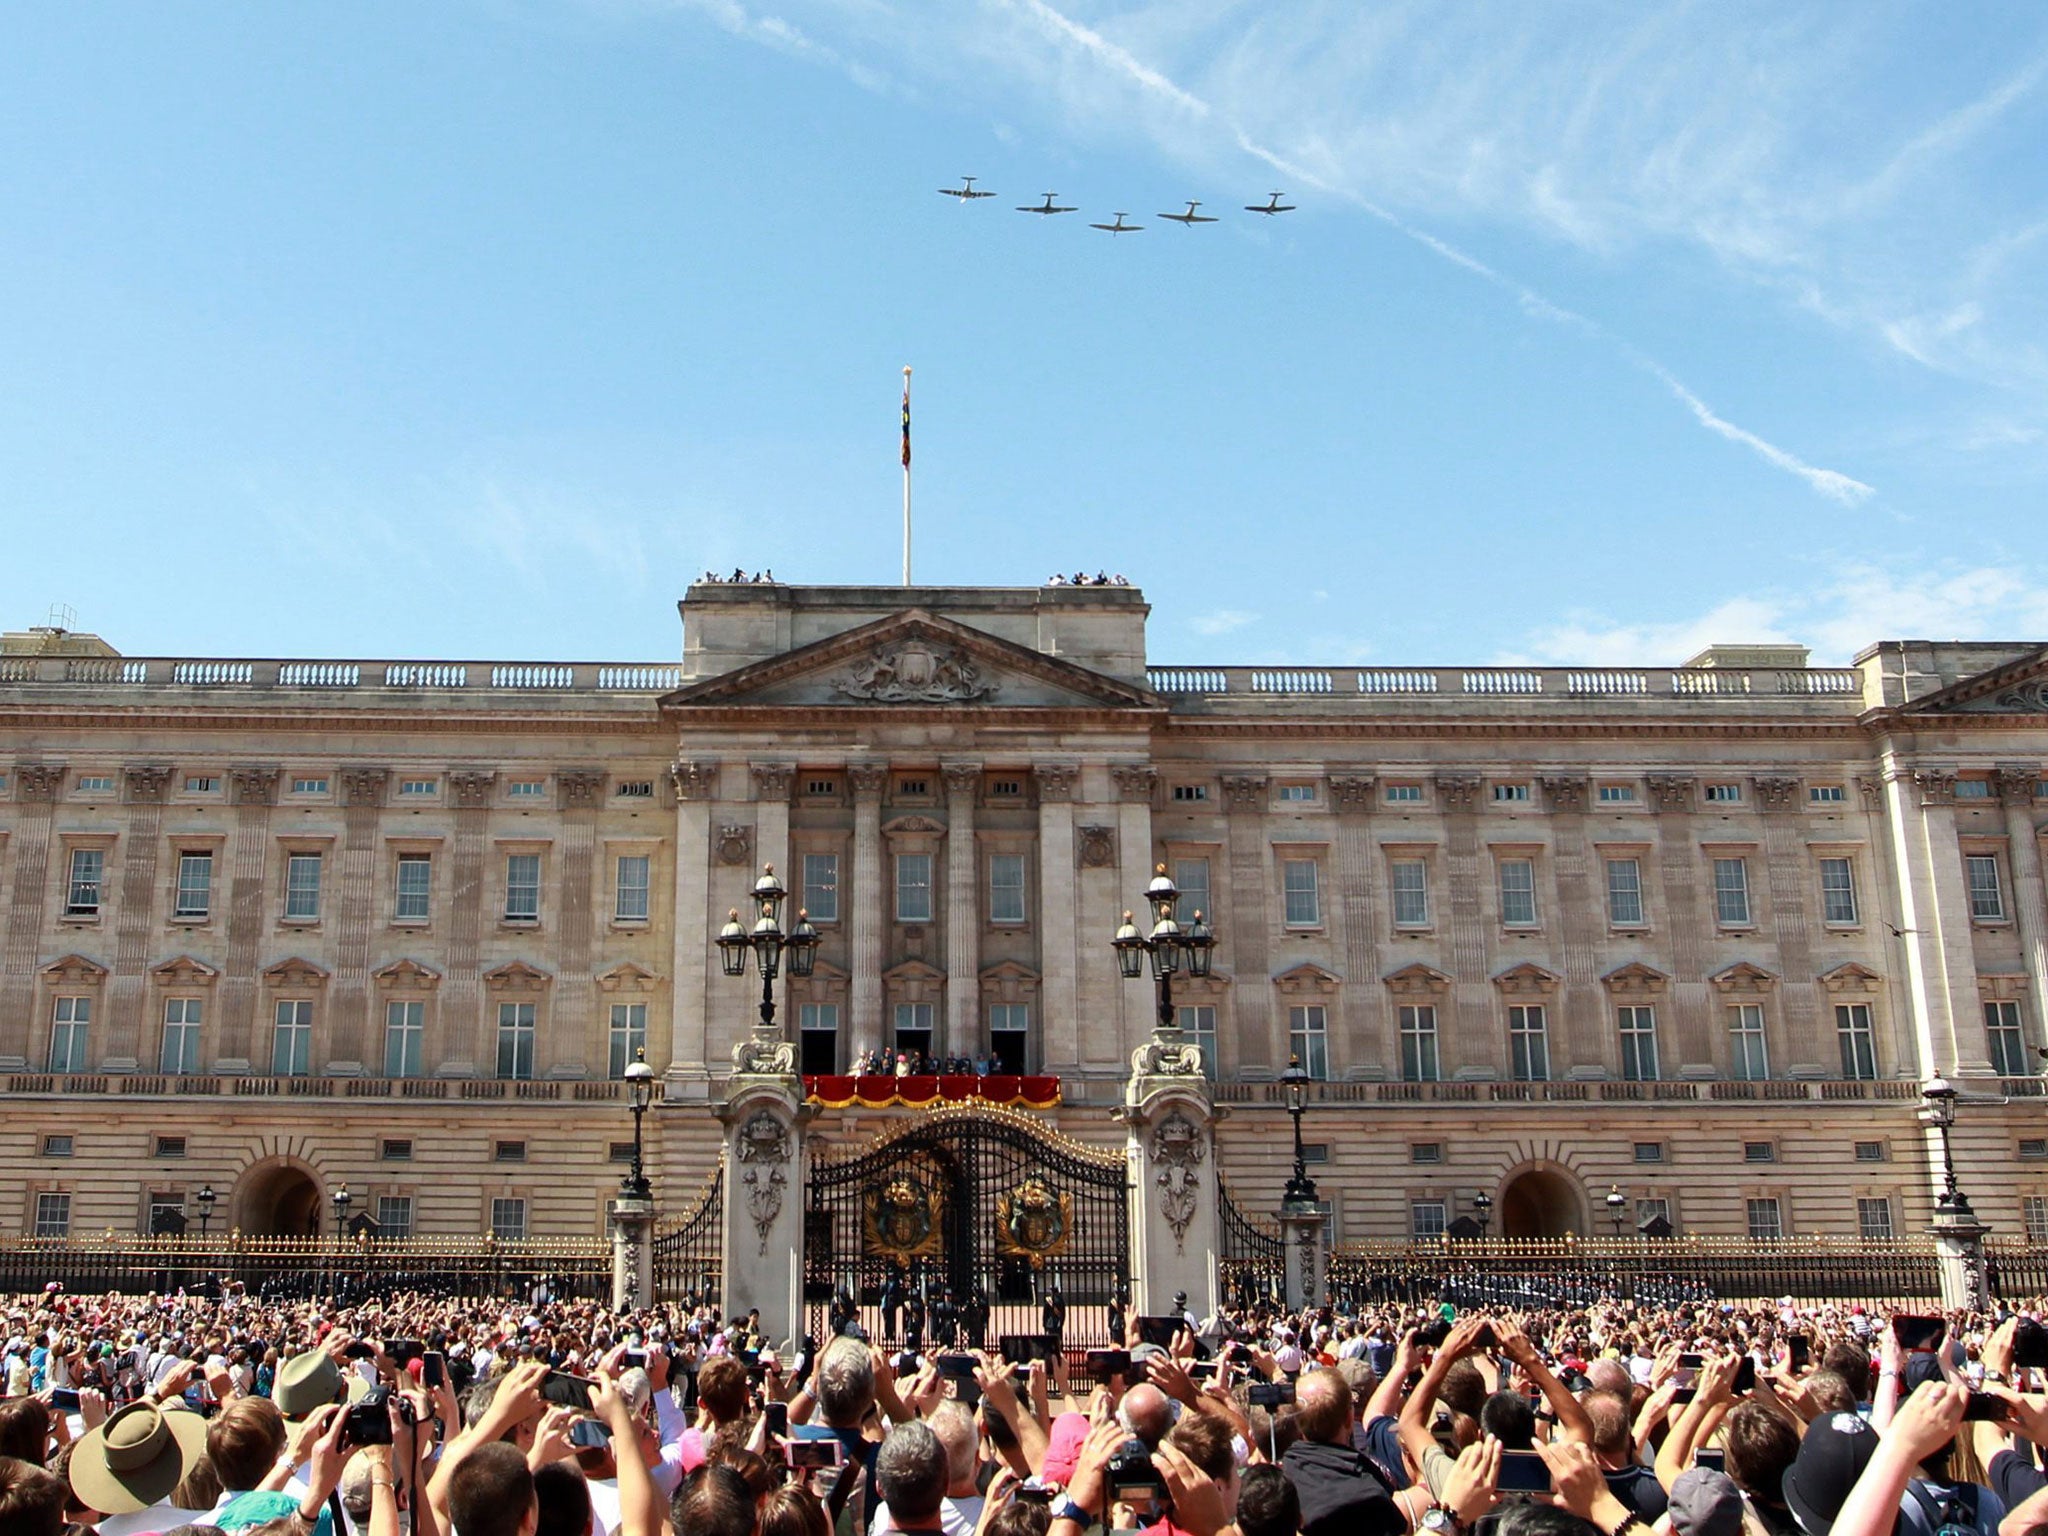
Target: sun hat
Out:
[136,1458]
[305,1383]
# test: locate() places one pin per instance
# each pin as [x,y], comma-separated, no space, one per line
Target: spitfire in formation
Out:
[967,192]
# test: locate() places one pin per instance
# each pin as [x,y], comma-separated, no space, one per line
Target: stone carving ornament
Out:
[735,845]
[914,673]
[2031,697]
[146,784]
[1160,1058]
[764,1151]
[1098,847]
[753,1057]
[1177,1154]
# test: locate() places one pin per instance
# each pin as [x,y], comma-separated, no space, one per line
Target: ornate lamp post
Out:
[769,947]
[205,1199]
[1168,946]
[639,1094]
[1939,1095]
[341,1199]
[1301,1189]
[1482,1211]
[1617,1206]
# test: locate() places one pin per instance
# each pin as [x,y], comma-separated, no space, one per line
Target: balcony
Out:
[1843,686]
[331,682]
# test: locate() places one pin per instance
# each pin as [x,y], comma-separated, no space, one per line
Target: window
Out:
[913,887]
[1308,1039]
[393,1150]
[2008,1046]
[1624,893]
[1518,893]
[2034,1216]
[821,887]
[1870,1152]
[201,784]
[1006,789]
[415,887]
[1298,793]
[1615,794]
[1419,1060]
[394,1216]
[1853,1033]
[1411,893]
[819,1023]
[1426,1152]
[1766,1223]
[291,1038]
[629,1036]
[405,1036]
[821,788]
[1973,789]
[166,1213]
[1652,1208]
[302,888]
[1304,904]
[634,789]
[508,1152]
[53,1215]
[1528,1044]
[88,876]
[1987,899]
[182,1017]
[1426,1218]
[416,789]
[619,1152]
[515,1040]
[95,783]
[195,885]
[1838,892]
[522,888]
[1638,1043]
[1874,1220]
[629,903]
[508,1220]
[914,1027]
[527,789]
[168,1146]
[1198,1022]
[1404,794]
[1724,794]
[70,1018]
[1748,1060]
[1826,794]
[1510,794]
[1649,1151]
[309,786]
[1191,879]
[1759,1152]
[1731,893]
[2034,1149]
[1006,888]
[913,788]
[1190,792]
[1009,1032]
[57,1146]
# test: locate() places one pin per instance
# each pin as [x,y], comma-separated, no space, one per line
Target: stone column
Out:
[1359,911]
[1959,1259]
[1934,909]
[2029,896]
[38,785]
[124,1042]
[1790,876]
[872,900]
[689,1051]
[962,1033]
[764,1115]
[632,1222]
[462,998]
[1175,1203]
[1057,926]
[1301,1231]
[1580,917]
[1683,885]
[1247,937]
[253,791]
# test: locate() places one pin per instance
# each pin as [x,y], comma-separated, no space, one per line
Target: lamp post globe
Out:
[1301,1189]
[205,1199]
[1482,1211]
[1939,1097]
[773,949]
[1170,946]
[1617,1204]
[639,1094]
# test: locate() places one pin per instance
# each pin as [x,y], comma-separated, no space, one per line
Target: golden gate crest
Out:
[1034,1220]
[901,1220]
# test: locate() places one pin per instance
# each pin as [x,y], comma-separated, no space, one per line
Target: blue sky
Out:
[476,329]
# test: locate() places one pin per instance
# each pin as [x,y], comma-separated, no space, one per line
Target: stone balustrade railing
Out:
[207,1086]
[1793,1090]
[314,677]
[1844,683]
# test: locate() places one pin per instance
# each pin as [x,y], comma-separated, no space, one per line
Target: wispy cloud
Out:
[1830,483]
[1222,621]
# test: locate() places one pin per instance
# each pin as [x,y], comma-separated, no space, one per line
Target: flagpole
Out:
[906,476]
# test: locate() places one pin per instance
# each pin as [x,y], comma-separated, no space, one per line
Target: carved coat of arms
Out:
[914,673]
[1034,1220]
[901,1219]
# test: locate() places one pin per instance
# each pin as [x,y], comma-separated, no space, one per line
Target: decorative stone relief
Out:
[580,787]
[753,1057]
[1056,781]
[364,786]
[39,781]
[1352,792]
[1871,789]
[694,780]
[763,1152]
[1135,782]
[1776,793]
[1566,792]
[253,786]
[2028,697]
[1937,786]
[1457,791]
[772,780]
[1098,847]
[914,673]
[1247,790]
[472,789]
[1156,1058]
[735,845]
[868,779]
[2016,783]
[962,780]
[147,783]
[1177,1153]
[1670,791]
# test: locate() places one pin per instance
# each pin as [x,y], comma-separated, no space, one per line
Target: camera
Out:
[1269,1394]
[2029,1345]
[588,1434]
[1131,1479]
[369,1420]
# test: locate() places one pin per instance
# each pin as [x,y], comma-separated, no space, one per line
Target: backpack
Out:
[1950,1511]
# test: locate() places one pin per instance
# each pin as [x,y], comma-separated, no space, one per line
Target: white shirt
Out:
[958,1517]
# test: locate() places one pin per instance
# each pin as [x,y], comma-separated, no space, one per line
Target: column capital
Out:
[1937,785]
[1669,791]
[364,786]
[1056,781]
[1457,791]
[2016,782]
[253,785]
[1246,791]
[39,781]
[1776,792]
[772,780]
[472,787]
[867,779]
[1565,791]
[1352,791]
[1871,787]
[962,780]
[694,778]
[580,788]
[1135,782]
[146,783]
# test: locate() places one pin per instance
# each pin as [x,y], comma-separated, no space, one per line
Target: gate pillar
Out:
[632,1220]
[1301,1230]
[1959,1258]
[1176,1224]
[764,1114]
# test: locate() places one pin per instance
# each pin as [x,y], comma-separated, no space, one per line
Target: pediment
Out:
[184,971]
[1850,977]
[296,972]
[409,974]
[1527,977]
[1742,976]
[914,971]
[1416,979]
[2016,687]
[1306,978]
[514,975]
[625,977]
[75,970]
[912,660]
[1007,971]
[1635,978]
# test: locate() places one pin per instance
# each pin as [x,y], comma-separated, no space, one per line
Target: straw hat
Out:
[136,1458]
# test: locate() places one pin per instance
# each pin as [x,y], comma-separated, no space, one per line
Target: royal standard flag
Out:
[906,424]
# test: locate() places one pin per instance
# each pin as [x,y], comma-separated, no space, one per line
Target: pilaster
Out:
[252,792]
[1136,783]
[1175,1204]
[871,903]
[1057,891]
[1465,928]
[2030,899]
[962,1034]
[1367,1033]
[463,998]
[37,785]
[1248,936]
[764,1115]
[698,919]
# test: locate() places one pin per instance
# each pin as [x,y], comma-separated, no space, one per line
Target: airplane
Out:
[965,191]
[1119,227]
[1047,208]
[1191,218]
[1272,205]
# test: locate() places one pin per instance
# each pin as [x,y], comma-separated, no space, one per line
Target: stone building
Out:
[1694,934]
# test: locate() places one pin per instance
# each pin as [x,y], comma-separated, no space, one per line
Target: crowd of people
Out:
[887,1061]
[543,1417]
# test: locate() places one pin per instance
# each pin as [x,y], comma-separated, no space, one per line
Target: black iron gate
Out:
[968,1209]
[1252,1268]
[688,1262]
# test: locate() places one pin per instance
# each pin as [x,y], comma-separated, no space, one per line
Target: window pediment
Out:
[184,971]
[516,976]
[1527,977]
[2002,989]
[1851,978]
[296,972]
[407,975]
[76,971]
[1417,980]
[1307,980]
[1636,979]
[625,977]
[1744,977]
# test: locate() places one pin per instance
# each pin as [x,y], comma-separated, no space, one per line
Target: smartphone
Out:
[636,1359]
[588,1434]
[1023,1348]
[1486,1338]
[1105,1363]
[2030,1345]
[814,1455]
[1032,1491]
[1798,1351]
[1714,1460]
[1987,1406]
[1202,1372]
[1686,1379]
[1159,1330]
[957,1372]
[433,1369]
[1920,1335]
[1269,1394]
[1523,1472]
[64,1399]
[1745,1375]
[357,1352]
[565,1390]
[778,1418]
[404,1351]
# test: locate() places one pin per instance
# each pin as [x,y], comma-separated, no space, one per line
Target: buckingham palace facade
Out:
[1694,933]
